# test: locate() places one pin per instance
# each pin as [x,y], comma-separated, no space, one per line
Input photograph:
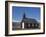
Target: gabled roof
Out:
[29,20]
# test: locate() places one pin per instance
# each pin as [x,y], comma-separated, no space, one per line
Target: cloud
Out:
[38,21]
[15,21]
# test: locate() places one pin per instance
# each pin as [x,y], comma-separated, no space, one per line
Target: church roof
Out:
[29,20]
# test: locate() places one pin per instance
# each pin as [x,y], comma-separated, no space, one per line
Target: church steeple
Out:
[24,16]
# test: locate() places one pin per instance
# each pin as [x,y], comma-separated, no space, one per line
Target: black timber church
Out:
[29,23]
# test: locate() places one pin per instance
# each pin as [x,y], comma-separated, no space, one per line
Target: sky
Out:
[30,12]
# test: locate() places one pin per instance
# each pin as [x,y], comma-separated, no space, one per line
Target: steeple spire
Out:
[24,16]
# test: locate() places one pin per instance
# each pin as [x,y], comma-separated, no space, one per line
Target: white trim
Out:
[22,25]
